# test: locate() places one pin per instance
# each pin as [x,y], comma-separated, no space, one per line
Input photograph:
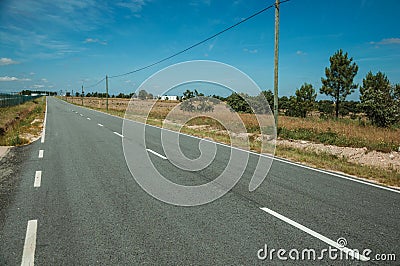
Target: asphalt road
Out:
[85,208]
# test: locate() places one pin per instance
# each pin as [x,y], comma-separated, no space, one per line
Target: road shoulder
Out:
[9,178]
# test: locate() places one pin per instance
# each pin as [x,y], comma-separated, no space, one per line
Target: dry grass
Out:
[343,127]
[20,123]
[331,162]
[116,104]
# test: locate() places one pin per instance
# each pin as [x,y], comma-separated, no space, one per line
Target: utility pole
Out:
[107,93]
[72,98]
[276,62]
[82,95]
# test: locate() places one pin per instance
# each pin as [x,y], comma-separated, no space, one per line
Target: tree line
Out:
[103,95]
[142,94]
[379,99]
[30,92]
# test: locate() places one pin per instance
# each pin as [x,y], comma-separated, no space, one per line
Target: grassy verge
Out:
[334,132]
[341,132]
[21,123]
[333,138]
[334,163]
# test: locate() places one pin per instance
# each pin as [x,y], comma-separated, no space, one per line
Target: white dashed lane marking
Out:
[307,230]
[157,154]
[38,179]
[116,133]
[28,256]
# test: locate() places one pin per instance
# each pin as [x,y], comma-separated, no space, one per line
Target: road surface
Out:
[78,204]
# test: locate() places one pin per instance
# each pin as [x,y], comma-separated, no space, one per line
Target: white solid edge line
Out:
[116,133]
[28,255]
[340,176]
[100,125]
[316,235]
[41,153]
[263,155]
[44,124]
[278,159]
[155,153]
[38,178]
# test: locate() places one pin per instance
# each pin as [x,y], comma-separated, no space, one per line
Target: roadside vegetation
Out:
[22,123]
[389,177]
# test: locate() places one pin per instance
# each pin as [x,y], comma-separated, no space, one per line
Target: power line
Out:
[190,47]
[198,43]
[91,86]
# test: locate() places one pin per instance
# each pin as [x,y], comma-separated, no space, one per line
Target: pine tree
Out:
[339,78]
[303,102]
[379,100]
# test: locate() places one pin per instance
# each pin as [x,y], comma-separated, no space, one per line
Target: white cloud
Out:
[45,80]
[251,51]
[299,52]
[387,41]
[38,45]
[134,6]
[32,73]
[7,61]
[38,86]
[7,78]
[90,40]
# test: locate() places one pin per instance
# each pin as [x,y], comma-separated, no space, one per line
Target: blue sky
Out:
[60,45]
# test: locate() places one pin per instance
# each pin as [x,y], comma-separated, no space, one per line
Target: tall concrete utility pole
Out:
[107,93]
[276,62]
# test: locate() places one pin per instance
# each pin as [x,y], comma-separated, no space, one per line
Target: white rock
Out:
[391,156]
[303,142]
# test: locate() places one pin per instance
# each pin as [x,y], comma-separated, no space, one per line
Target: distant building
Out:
[168,98]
